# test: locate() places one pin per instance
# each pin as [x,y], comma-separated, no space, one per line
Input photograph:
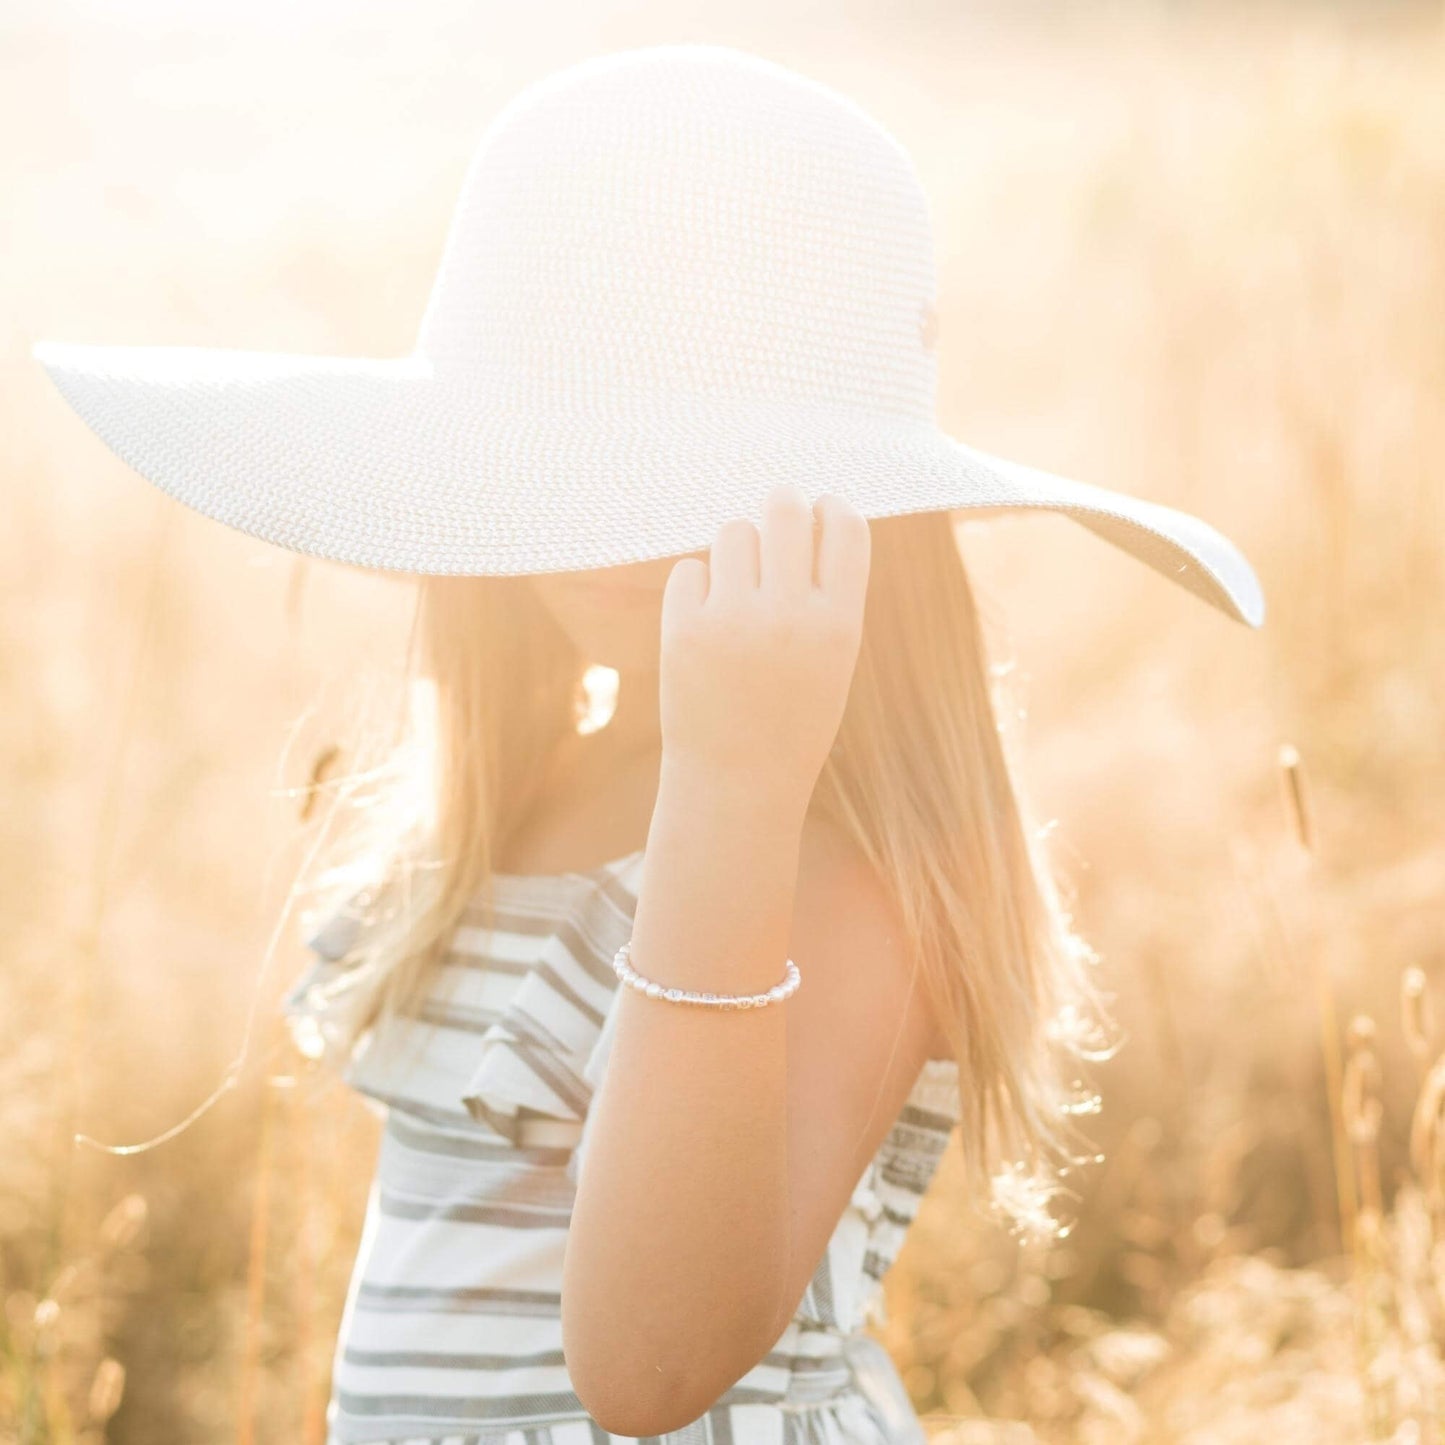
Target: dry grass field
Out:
[1193,252]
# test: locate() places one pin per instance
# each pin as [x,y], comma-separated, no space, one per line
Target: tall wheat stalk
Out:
[1297,800]
[256,1272]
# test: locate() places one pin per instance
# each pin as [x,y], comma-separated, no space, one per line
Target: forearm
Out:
[677,1249]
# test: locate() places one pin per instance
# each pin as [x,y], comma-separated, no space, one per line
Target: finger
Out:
[733,561]
[684,591]
[785,549]
[844,548]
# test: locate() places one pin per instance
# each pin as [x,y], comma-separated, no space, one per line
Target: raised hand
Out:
[759,643]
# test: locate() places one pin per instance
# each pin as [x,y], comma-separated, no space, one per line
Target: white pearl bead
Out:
[654,990]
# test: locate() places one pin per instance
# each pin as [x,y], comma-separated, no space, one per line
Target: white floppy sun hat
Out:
[677,276]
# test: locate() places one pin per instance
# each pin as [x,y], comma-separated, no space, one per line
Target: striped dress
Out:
[451,1332]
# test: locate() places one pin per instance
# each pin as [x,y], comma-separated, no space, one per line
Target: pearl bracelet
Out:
[630,976]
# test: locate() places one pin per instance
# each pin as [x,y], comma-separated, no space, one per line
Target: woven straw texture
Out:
[676,276]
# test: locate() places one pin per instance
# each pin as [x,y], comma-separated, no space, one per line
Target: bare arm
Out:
[677,1252]
[672,1258]
[725,1144]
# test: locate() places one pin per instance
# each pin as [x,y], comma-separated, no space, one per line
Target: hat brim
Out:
[406,465]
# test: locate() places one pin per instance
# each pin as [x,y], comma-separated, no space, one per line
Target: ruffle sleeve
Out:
[538,1064]
[542,1058]
[325,1006]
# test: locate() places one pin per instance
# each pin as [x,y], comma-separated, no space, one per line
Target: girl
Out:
[669,1021]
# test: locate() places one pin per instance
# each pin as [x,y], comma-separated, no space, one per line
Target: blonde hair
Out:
[918,778]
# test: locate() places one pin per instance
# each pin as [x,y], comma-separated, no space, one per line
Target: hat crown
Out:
[690,218]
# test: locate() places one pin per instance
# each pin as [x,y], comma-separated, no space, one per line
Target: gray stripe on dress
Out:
[447,1360]
[493,1300]
[413,1133]
[501,1216]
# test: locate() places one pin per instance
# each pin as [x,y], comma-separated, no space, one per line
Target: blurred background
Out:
[1195,251]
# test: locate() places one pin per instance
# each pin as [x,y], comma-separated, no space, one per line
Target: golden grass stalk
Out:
[1297,799]
[1362,1109]
[256,1273]
[106,1389]
[1297,795]
[314,1385]
[322,766]
[1417,1013]
[1427,1136]
[124,1221]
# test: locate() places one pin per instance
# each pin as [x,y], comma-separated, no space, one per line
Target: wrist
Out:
[762,804]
